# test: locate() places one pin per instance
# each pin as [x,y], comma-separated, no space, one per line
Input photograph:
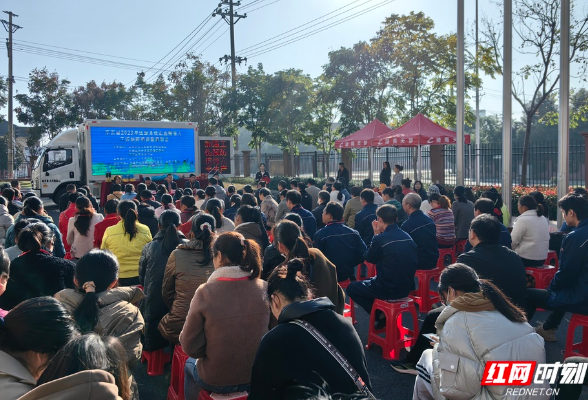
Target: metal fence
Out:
[542,165]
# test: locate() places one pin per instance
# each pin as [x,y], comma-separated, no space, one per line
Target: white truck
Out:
[84,156]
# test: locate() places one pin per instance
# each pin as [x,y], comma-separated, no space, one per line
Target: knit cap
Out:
[433,190]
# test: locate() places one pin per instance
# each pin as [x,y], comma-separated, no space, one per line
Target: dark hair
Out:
[74,196]
[231,189]
[146,194]
[178,194]
[581,191]
[289,281]
[487,228]
[169,175]
[127,210]
[147,178]
[261,184]
[294,197]
[262,164]
[294,183]
[4,262]
[338,186]
[264,192]
[463,278]
[167,200]
[253,214]
[469,194]
[210,191]
[21,224]
[188,192]
[296,218]
[335,210]
[188,201]
[530,202]
[141,187]
[459,194]
[27,195]
[356,191]
[8,193]
[213,181]
[200,193]
[239,251]
[290,235]
[576,202]
[302,187]
[398,167]
[368,195]
[388,213]
[284,193]
[83,215]
[324,196]
[282,183]
[236,200]
[247,189]
[101,268]
[82,191]
[169,221]
[214,207]
[192,175]
[406,183]
[111,205]
[34,237]
[116,177]
[90,352]
[493,195]
[388,192]
[387,165]
[443,201]
[540,199]
[41,324]
[311,181]
[331,180]
[161,190]
[367,184]
[486,206]
[201,231]
[129,188]
[116,187]
[341,164]
[32,206]
[70,186]
[3,201]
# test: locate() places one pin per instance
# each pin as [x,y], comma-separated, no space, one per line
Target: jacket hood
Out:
[12,367]
[145,210]
[3,209]
[85,385]
[191,245]
[301,308]
[73,298]
[250,227]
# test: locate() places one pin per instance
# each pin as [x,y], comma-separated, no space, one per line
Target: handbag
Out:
[361,386]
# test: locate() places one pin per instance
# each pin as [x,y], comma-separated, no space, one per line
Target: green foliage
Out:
[19,157]
[243,181]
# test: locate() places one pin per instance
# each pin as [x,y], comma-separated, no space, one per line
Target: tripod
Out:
[216,170]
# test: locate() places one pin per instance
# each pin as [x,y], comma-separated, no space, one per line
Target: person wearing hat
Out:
[425,205]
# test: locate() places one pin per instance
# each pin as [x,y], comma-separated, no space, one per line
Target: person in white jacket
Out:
[479,324]
[6,219]
[530,235]
[80,227]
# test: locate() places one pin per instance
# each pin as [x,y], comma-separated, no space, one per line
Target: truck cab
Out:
[57,166]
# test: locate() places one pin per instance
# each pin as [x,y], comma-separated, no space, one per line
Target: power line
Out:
[268,48]
[249,5]
[259,8]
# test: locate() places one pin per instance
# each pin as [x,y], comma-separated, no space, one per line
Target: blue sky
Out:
[145,31]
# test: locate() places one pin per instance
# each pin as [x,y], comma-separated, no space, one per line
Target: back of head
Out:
[213,181]
[169,221]
[203,228]
[253,214]
[293,183]
[459,194]
[368,195]
[487,206]
[282,183]
[111,206]
[398,167]
[141,187]
[283,193]
[74,196]
[231,190]
[487,228]
[296,218]
[236,200]
[248,200]
[338,186]
[413,200]
[116,187]
[21,224]
[324,196]
[406,183]
[129,188]
[311,182]
[214,207]
[247,189]
[146,194]
[8,193]
[84,214]
[95,272]
[576,202]
[238,251]
[264,192]
[167,200]
[188,201]
[188,192]
[294,197]
[70,187]
[335,210]
[3,201]
[178,194]
[581,191]
[34,237]
[210,191]
[90,352]
[261,184]
[32,207]
[388,213]
[289,281]
[462,278]
[355,191]
[201,194]
[444,202]
[531,204]
[127,210]
[289,234]
[302,187]
[367,184]
[161,189]
[42,325]
[388,192]
[82,191]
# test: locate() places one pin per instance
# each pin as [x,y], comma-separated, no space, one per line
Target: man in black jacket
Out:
[150,184]
[323,198]
[343,173]
[64,198]
[495,262]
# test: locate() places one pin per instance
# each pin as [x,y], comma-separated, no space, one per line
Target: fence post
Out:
[585,135]
[287,165]
[246,163]
[437,165]
[315,165]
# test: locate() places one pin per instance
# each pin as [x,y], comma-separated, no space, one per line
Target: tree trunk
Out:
[258,152]
[327,163]
[414,162]
[370,175]
[526,146]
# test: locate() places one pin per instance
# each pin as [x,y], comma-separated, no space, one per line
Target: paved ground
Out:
[387,384]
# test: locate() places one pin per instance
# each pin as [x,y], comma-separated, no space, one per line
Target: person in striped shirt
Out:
[442,215]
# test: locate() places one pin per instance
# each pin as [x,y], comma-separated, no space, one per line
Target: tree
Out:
[48,104]
[3,95]
[19,157]
[107,101]
[35,134]
[537,26]
[290,92]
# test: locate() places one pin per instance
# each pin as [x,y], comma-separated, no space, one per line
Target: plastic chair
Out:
[444,253]
[176,384]
[459,247]
[155,361]
[349,311]
[552,256]
[543,275]
[371,271]
[579,349]
[397,336]
[424,296]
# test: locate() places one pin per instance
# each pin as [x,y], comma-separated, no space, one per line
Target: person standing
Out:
[422,230]
[398,176]
[385,174]
[262,174]
[313,191]
[463,213]
[343,172]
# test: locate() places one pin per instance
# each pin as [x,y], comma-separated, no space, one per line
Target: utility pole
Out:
[233,18]
[11,28]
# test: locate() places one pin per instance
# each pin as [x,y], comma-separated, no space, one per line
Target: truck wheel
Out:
[57,194]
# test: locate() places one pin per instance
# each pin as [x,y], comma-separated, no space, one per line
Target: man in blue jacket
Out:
[338,242]
[293,200]
[395,256]
[422,230]
[364,218]
[568,291]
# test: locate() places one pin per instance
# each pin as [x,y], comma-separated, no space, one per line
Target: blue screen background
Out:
[142,150]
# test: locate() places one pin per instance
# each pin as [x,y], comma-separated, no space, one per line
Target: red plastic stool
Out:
[204,395]
[424,296]
[397,336]
[459,247]
[543,275]
[176,384]
[155,361]
[577,349]
[552,256]
[349,311]
[444,253]
[371,271]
